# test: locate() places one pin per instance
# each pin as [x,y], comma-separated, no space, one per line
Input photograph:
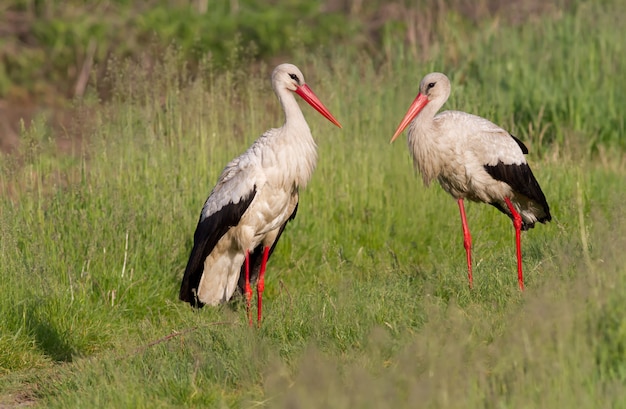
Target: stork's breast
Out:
[269,210]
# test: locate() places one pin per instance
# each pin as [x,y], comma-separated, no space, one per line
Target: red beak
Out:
[307,94]
[420,102]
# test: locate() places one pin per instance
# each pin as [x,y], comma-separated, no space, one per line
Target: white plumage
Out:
[254,198]
[474,159]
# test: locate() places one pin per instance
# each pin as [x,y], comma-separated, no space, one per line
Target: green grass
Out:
[367,302]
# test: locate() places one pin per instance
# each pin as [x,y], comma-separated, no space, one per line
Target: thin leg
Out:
[467,242]
[248,289]
[517,223]
[260,284]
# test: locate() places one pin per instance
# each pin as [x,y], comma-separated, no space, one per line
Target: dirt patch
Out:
[64,123]
[11,115]
[16,400]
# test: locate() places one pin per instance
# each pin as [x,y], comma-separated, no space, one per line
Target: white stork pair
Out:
[257,193]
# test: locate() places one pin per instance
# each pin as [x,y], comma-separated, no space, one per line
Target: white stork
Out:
[474,159]
[255,196]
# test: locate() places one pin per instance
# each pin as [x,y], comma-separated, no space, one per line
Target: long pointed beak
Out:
[420,102]
[309,96]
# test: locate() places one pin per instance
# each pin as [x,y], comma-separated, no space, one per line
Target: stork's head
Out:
[289,77]
[433,87]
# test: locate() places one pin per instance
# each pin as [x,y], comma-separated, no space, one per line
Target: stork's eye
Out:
[295,78]
[431,85]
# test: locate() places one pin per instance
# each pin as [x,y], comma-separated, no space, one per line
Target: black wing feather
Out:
[256,257]
[208,232]
[520,144]
[522,181]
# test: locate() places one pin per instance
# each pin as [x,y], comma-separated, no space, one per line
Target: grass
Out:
[367,302]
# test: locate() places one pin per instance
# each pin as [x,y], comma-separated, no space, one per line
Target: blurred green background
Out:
[54,51]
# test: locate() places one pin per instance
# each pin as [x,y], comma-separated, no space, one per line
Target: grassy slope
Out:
[367,300]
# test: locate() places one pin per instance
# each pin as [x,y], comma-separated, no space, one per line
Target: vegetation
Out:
[52,42]
[366,300]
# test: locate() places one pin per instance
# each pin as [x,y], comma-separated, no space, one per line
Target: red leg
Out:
[260,285]
[467,242]
[248,289]
[517,223]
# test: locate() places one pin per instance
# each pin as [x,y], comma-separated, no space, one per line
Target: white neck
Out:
[293,114]
[421,141]
[298,145]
